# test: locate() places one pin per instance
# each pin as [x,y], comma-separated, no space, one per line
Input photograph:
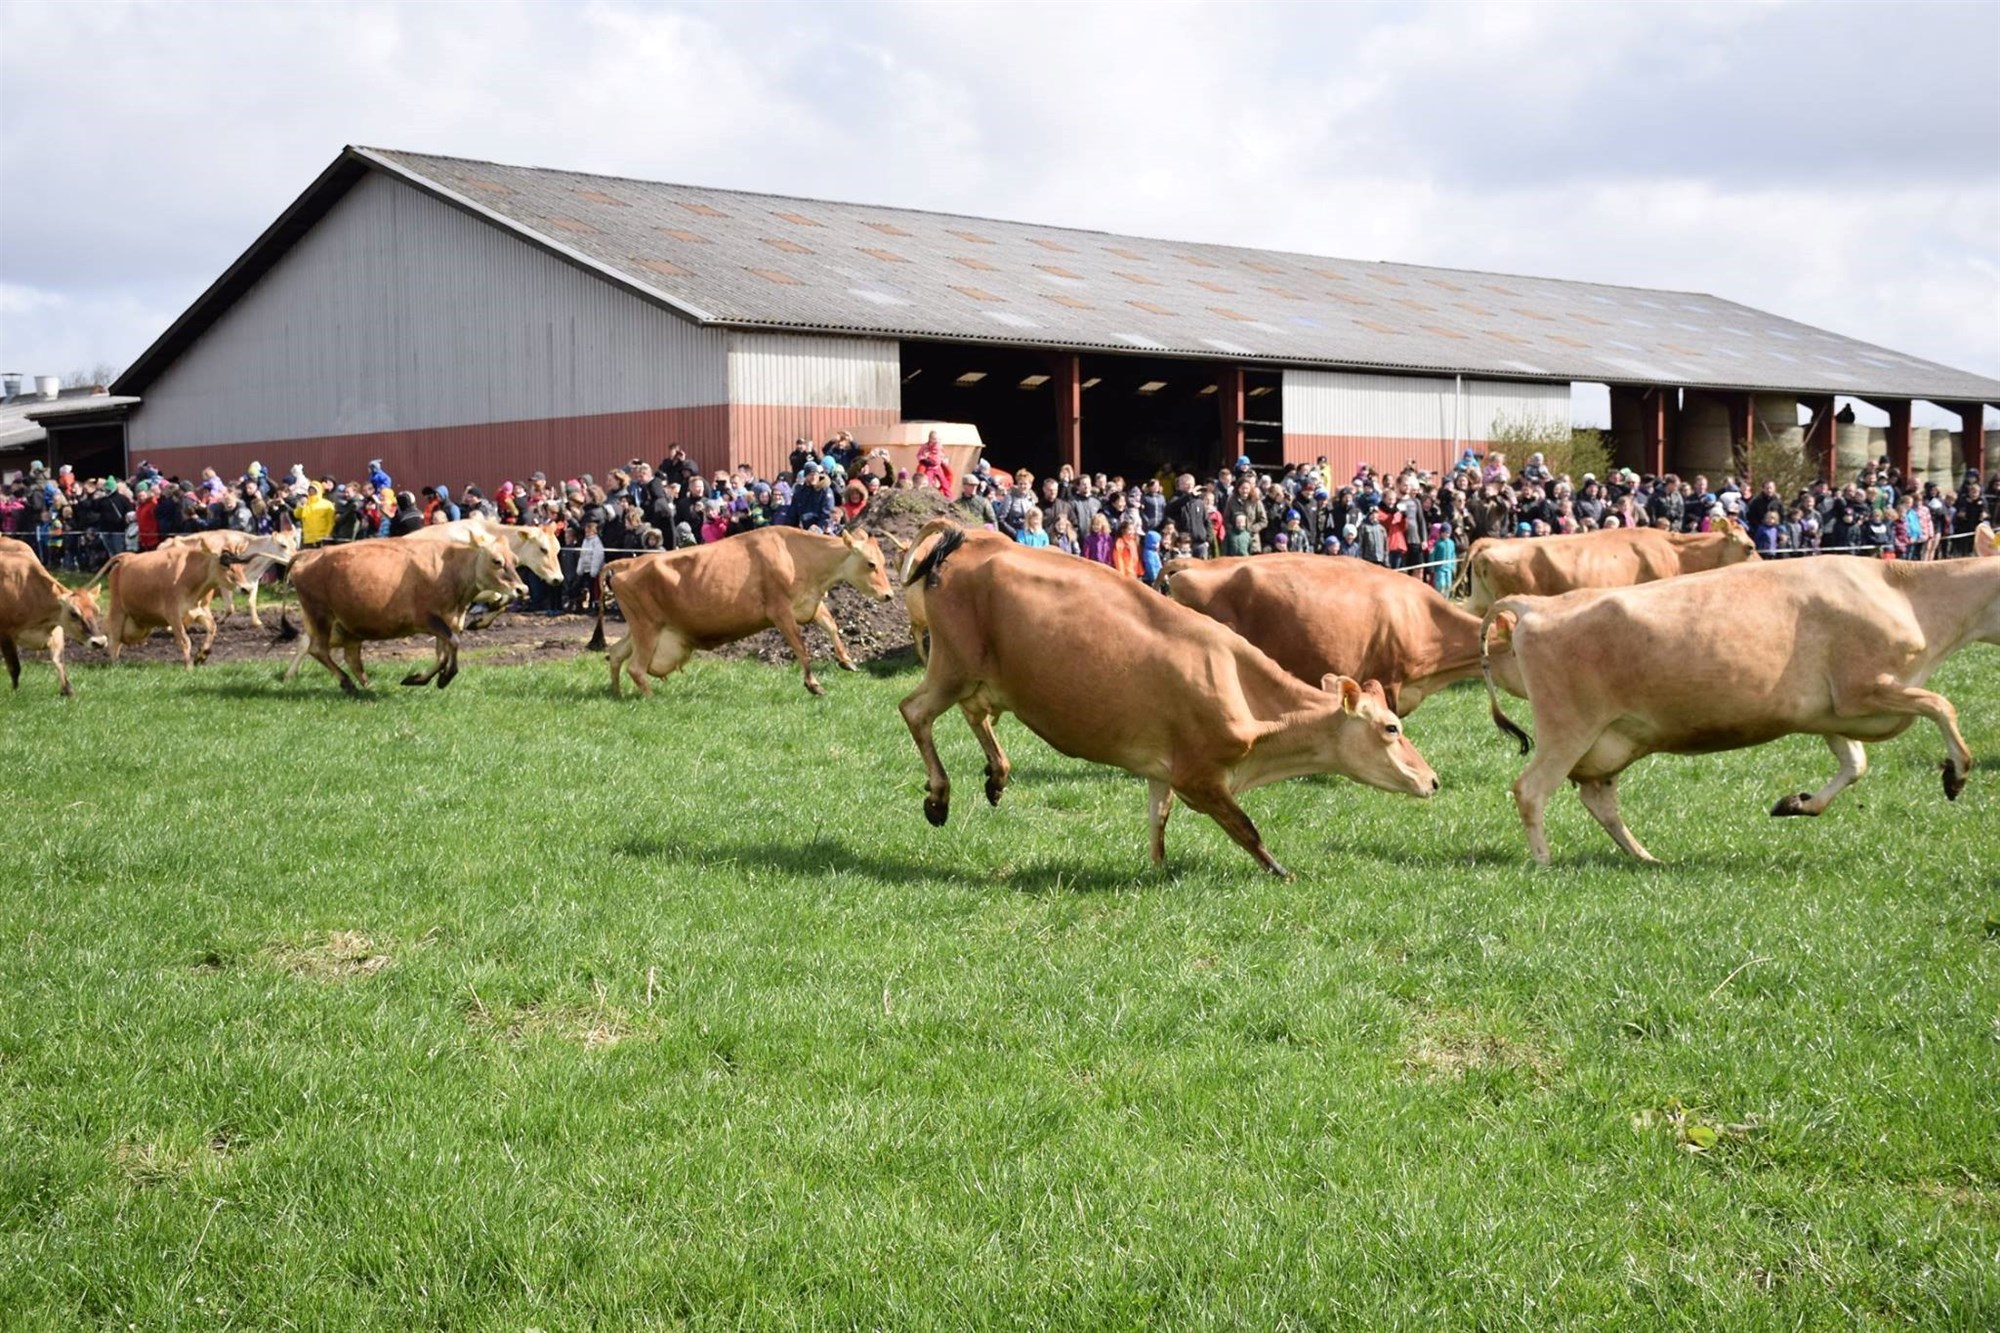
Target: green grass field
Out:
[514,1006]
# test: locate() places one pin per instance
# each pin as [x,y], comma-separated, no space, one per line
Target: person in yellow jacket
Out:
[315,516]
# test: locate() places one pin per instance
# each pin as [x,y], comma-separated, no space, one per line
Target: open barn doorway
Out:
[1140,415]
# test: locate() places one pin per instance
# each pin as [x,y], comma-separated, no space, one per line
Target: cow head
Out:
[1736,544]
[1368,740]
[864,567]
[80,616]
[226,571]
[537,550]
[493,569]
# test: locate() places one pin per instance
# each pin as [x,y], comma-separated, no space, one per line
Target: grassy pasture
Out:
[515,1006]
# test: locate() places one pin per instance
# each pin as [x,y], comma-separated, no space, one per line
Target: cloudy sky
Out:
[1838,164]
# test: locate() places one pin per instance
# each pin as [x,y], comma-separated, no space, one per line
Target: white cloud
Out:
[1793,158]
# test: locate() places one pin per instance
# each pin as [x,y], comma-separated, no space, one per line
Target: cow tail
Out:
[287,631]
[104,571]
[596,644]
[1505,621]
[927,568]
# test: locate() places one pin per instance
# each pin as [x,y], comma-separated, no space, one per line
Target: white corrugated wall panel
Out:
[398,312]
[806,370]
[1522,404]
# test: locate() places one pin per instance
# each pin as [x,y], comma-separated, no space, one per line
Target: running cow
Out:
[169,587]
[1612,558]
[370,591]
[1155,689]
[258,554]
[36,611]
[1319,615]
[1832,647]
[535,550]
[699,597]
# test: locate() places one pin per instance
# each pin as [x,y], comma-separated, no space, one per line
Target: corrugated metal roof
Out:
[767,261]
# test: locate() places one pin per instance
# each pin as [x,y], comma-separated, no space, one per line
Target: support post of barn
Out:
[1972,434]
[1654,457]
[1229,402]
[1899,435]
[1819,435]
[1069,410]
[1742,409]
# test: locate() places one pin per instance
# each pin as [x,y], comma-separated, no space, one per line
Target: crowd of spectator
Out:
[1410,519]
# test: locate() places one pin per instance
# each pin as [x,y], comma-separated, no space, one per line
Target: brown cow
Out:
[1611,558]
[259,554]
[169,587]
[1158,690]
[535,549]
[375,590]
[676,602]
[1833,647]
[1317,615]
[37,611]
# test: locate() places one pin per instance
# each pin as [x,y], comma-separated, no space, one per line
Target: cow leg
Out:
[1216,802]
[998,770]
[920,712]
[186,647]
[619,655]
[256,581]
[1541,779]
[1159,804]
[114,634]
[317,637]
[446,664]
[351,650]
[201,617]
[305,642]
[1884,695]
[788,626]
[12,652]
[824,619]
[1600,797]
[57,642]
[1853,758]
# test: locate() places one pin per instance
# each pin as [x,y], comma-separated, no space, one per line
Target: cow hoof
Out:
[347,686]
[1954,781]
[1280,871]
[1792,805]
[936,811]
[814,687]
[416,678]
[847,666]
[993,789]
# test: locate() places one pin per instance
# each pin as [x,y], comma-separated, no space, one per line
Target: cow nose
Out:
[1437,784]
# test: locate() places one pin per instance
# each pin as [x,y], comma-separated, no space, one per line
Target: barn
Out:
[469,321]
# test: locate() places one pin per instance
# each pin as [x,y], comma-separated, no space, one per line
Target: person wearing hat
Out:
[316,516]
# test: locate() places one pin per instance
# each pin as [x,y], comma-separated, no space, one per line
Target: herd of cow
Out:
[1623,642]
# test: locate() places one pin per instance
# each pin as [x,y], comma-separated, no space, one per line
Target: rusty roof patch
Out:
[1212,286]
[887,228]
[1139,278]
[572,225]
[977,293]
[1072,302]
[980,264]
[1124,253]
[683,234]
[1285,292]
[705,210]
[972,236]
[780,243]
[1197,261]
[666,268]
[1378,327]
[1443,332]
[1150,308]
[1227,313]
[1259,266]
[796,219]
[600,197]
[485,186]
[886,256]
[1048,244]
[1058,271]
[774,275]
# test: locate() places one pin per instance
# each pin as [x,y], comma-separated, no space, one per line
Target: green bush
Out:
[1569,451]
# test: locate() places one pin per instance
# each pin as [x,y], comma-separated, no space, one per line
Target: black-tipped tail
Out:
[287,631]
[927,568]
[596,644]
[1504,622]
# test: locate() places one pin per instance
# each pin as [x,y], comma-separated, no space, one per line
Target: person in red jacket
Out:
[147,512]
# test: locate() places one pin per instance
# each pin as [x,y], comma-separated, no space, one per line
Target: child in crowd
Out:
[1031,533]
[1125,550]
[582,589]
[1097,542]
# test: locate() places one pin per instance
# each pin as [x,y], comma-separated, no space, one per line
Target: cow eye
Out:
[1392,730]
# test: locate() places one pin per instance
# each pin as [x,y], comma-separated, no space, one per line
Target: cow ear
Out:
[1373,689]
[1346,687]
[1983,542]
[852,536]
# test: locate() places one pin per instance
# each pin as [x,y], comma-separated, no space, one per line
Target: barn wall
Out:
[399,319]
[783,386]
[1387,420]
